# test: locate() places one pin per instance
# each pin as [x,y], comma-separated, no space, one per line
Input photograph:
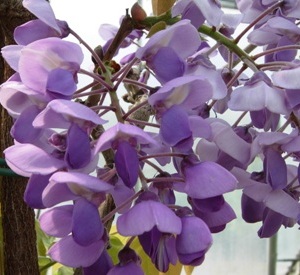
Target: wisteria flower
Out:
[206,179]
[199,11]
[170,48]
[55,61]
[124,139]
[224,139]
[214,211]
[147,213]
[191,251]
[259,93]
[160,247]
[269,196]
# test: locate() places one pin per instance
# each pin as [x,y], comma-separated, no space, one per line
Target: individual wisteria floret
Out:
[89,157]
[199,11]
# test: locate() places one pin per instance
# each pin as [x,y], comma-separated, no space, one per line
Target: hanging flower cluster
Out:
[171,130]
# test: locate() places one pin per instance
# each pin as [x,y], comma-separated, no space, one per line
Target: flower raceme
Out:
[77,157]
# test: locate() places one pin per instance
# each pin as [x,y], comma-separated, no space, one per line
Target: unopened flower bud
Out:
[137,12]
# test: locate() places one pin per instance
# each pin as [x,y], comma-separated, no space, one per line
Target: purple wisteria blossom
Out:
[94,162]
[199,11]
[170,48]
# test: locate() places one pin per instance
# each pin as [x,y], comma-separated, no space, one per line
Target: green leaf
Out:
[65,271]
[44,263]
[188,269]
[159,26]
[43,240]
[115,246]
[161,6]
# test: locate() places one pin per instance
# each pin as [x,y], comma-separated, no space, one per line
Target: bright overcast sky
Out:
[85,16]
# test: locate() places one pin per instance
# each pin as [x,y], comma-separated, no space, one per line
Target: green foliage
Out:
[64,270]
[43,242]
[156,28]
[161,6]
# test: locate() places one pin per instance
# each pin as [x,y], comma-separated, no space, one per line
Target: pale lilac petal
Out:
[69,253]
[31,159]
[292,146]
[182,37]
[200,127]
[80,179]
[144,216]
[12,54]
[46,55]
[188,10]
[232,20]
[288,79]
[107,31]
[22,130]
[14,101]
[257,97]
[258,191]
[263,36]
[211,11]
[32,31]
[212,76]
[243,177]
[208,179]
[42,10]
[281,202]
[57,222]
[188,91]
[56,193]
[16,97]
[122,131]
[208,151]
[59,113]
[229,142]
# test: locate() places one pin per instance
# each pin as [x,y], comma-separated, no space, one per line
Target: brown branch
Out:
[18,220]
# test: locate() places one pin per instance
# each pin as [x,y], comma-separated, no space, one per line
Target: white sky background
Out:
[85,18]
